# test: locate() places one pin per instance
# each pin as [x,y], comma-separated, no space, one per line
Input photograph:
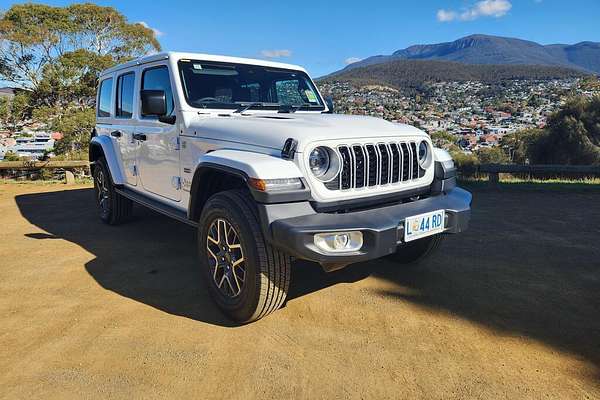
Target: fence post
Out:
[69,177]
[494,179]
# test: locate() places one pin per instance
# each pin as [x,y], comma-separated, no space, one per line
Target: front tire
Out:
[246,276]
[413,252]
[113,208]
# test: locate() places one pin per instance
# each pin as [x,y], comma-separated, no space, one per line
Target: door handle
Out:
[116,134]
[139,136]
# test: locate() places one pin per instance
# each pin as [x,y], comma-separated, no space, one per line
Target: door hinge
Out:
[176,182]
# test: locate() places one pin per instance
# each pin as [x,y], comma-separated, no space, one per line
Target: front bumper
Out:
[379,226]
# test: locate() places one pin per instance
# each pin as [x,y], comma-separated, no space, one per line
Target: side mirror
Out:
[330,106]
[154,103]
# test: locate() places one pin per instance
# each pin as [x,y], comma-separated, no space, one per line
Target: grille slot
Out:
[385,164]
[396,166]
[415,160]
[372,165]
[361,166]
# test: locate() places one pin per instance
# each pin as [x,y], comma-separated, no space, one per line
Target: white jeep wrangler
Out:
[249,152]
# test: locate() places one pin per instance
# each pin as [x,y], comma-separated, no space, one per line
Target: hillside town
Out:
[476,113]
[25,139]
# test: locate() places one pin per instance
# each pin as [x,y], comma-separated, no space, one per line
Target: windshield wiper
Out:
[245,107]
[289,108]
[292,108]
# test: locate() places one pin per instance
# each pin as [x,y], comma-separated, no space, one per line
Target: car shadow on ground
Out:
[528,266]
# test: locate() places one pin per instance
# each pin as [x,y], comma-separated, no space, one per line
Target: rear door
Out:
[124,123]
[158,151]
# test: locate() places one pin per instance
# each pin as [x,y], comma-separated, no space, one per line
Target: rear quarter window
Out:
[104,97]
[125,86]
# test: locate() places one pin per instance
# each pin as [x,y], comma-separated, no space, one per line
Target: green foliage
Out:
[590,83]
[76,126]
[443,139]
[463,160]
[521,145]
[34,37]
[71,80]
[14,110]
[534,101]
[56,54]
[10,156]
[571,137]
[492,155]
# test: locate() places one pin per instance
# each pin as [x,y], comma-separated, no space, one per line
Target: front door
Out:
[158,142]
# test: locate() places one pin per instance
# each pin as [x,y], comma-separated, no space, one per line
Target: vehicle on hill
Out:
[251,154]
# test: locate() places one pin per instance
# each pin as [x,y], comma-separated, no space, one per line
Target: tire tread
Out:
[274,265]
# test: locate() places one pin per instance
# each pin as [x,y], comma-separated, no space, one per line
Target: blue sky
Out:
[324,35]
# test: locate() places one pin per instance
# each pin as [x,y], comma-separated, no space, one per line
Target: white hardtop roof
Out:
[202,57]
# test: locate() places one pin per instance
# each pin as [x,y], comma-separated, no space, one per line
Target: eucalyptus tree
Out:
[36,39]
[55,54]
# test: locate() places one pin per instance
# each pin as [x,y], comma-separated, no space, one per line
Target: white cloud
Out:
[446,15]
[157,33]
[276,53]
[352,60]
[484,8]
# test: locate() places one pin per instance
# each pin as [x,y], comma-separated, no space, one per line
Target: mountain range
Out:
[414,76]
[495,50]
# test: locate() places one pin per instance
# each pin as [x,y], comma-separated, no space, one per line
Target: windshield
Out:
[217,85]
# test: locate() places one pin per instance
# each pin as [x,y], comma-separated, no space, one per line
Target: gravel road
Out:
[510,309]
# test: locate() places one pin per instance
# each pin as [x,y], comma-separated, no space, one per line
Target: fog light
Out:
[339,242]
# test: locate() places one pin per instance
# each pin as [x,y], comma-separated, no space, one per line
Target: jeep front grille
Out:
[377,164]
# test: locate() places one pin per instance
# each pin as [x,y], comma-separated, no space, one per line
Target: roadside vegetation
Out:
[512,182]
[53,55]
[571,137]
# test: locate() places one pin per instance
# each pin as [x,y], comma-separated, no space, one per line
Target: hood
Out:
[271,130]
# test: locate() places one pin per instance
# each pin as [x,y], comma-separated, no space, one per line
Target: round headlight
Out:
[423,153]
[319,161]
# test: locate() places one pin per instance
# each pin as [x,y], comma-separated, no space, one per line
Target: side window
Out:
[125,84]
[157,78]
[104,97]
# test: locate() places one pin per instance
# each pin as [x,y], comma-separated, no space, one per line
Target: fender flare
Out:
[252,165]
[106,145]
[245,165]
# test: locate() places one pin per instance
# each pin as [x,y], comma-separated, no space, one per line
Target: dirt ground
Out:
[510,309]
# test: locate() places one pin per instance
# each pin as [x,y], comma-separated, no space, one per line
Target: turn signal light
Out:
[274,185]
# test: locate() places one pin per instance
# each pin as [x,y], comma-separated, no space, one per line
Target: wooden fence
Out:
[492,170]
[36,165]
[23,169]
[531,171]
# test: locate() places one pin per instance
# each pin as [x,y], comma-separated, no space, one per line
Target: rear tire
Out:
[114,208]
[413,252]
[246,276]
